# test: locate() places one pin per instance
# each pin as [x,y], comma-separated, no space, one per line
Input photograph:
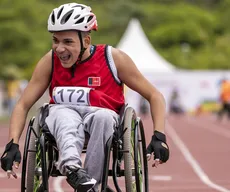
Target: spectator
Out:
[224,99]
[175,106]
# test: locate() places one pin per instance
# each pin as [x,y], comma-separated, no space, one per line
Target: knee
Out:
[104,116]
[62,117]
[105,120]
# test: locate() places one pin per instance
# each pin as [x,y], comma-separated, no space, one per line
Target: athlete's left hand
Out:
[159,148]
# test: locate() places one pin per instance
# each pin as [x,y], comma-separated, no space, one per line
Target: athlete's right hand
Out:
[11,156]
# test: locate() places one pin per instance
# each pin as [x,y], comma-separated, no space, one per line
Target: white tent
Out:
[135,43]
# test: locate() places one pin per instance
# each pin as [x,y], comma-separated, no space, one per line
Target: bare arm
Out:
[131,76]
[37,86]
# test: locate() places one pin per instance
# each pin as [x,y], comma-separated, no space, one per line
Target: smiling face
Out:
[67,46]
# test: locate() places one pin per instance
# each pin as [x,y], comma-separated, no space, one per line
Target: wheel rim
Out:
[38,169]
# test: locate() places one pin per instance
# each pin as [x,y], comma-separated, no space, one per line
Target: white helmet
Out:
[72,16]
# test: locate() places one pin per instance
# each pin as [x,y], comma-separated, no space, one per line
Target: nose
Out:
[60,48]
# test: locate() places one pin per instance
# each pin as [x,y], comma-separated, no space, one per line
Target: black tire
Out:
[33,178]
[26,156]
[140,159]
[29,157]
[31,163]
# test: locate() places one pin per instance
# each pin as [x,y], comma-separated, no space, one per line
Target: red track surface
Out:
[199,161]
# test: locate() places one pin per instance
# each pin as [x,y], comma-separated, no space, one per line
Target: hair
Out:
[85,33]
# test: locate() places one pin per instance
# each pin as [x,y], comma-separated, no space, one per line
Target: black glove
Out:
[159,146]
[10,155]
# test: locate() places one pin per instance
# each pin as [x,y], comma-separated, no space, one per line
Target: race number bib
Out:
[71,95]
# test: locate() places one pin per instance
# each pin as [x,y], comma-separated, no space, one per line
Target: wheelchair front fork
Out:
[116,168]
[117,156]
[104,183]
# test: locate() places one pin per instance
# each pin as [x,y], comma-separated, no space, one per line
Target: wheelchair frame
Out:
[127,146]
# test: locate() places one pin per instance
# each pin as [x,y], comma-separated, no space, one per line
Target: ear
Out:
[87,41]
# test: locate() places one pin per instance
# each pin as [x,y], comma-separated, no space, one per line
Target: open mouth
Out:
[64,58]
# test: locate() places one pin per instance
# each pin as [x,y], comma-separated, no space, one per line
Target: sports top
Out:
[93,81]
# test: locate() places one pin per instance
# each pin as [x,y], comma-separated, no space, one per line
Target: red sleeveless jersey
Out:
[95,72]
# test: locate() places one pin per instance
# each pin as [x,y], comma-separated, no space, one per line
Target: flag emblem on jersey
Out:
[94,81]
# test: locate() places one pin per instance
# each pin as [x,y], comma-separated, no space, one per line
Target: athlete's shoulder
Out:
[46,61]
[47,57]
[119,54]
[121,58]
[116,53]
[43,68]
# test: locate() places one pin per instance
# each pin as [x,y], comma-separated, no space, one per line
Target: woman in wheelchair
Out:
[85,84]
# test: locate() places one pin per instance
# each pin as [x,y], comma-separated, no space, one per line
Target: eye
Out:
[68,41]
[55,41]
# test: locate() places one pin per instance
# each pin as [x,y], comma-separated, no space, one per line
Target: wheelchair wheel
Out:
[29,142]
[34,179]
[140,159]
[135,162]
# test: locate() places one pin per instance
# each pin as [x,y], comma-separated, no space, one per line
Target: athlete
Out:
[85,84]
[224,99]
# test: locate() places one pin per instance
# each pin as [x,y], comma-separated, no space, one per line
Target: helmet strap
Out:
[82,47]
[80,55]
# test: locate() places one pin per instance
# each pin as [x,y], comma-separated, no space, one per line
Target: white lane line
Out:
[57,184]
[191,160]
[161,178]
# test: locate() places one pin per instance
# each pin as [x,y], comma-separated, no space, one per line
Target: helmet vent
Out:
[90,18]
[53,18]
[77,16]
[59,12]
[79,21]
[82,7]
[66,17]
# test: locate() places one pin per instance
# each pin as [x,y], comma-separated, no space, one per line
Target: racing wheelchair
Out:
[127,147]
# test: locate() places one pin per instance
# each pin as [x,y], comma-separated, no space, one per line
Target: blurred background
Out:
[175,43]
[180,46]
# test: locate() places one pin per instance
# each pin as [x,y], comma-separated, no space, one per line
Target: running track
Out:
[199,161]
